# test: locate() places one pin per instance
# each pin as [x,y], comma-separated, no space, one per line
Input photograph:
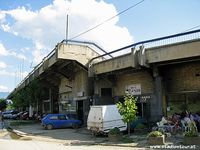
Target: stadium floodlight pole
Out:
[67,26]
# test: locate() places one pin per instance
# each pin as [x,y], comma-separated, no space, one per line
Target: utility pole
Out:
[67,26]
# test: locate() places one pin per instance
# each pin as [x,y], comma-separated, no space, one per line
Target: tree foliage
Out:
[128,109]
[3,104]
[28,95]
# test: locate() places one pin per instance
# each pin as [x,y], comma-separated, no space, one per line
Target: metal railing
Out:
[171,39]
[94,46]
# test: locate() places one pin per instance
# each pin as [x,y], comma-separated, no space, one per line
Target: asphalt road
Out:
[41,145]
[40,139]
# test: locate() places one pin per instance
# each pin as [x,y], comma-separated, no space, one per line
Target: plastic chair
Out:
[184,127]
[161,127]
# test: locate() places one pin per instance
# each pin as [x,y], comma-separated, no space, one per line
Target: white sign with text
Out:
[134,89]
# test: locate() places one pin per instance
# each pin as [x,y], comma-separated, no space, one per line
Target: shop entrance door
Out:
[79,110]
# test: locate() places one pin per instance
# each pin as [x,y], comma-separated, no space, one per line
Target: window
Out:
[53,118]
[62,117]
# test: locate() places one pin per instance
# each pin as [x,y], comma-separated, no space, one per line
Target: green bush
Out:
[140,126]
[114,131]
[192,132]
[22,122]
[155,134]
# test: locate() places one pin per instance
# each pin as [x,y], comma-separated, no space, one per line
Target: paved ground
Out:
[34,137]
[60,134]
[71,136]
[81,137]
[41,145]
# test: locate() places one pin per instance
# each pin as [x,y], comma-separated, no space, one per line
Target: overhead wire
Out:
[132,6]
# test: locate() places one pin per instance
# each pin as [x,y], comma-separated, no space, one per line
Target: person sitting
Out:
[187,119]
[190,121]
[176,121]
[165,125]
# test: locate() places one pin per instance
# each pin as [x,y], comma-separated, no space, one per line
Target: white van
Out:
[102,118]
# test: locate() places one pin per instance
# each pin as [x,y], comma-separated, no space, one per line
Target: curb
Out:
[78,143]
[73,142]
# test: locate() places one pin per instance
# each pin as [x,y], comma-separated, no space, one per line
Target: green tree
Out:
[128,109]
[27,96]
[2,104]
[18,100]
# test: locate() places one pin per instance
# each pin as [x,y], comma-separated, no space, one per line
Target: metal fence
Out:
[162,41]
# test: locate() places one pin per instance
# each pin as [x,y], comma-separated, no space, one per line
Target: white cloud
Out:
[6,73]
[5,52]
[46,26]
[13,74]
[2,65]
[25,49]
[39,52]
[19,56]
[5,27]
[2,16]
[3,88]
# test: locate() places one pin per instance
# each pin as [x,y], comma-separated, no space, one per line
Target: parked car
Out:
[10,114]
[7,114]
[15,114]
[52,121]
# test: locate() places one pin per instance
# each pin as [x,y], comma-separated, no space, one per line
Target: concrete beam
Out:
[178,51]
[80,53]
[117,63]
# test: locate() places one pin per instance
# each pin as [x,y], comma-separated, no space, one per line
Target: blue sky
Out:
[30,29]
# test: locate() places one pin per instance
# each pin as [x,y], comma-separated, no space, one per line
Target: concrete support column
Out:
[50,100]
[156,103]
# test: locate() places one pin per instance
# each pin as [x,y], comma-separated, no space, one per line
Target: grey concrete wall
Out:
[116,63]
[141,77]
[79,85]
[182,77]
[173,52]
[80,53]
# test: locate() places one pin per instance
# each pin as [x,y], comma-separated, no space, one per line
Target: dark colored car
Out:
[51,121]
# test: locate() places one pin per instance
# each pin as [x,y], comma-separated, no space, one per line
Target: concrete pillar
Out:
[156,102]
[50,100]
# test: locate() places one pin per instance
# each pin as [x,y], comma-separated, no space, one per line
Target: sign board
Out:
[134,89]
[144,99]
[80,94]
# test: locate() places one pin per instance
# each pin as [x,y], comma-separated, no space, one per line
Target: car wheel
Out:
[75,126]
[49,127]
